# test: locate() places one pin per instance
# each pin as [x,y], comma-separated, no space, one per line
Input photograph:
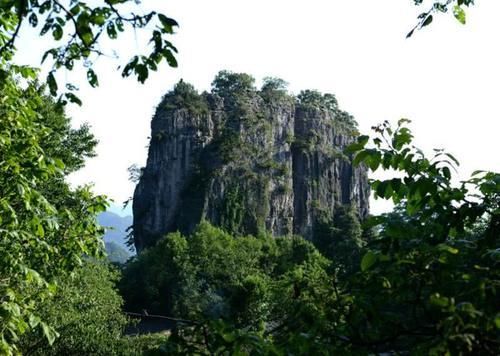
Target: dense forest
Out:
[267,251]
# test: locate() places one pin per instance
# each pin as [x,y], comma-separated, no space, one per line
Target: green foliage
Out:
[86,316]
[238,92]
[340,238]
[430,279]
[425,283]
[144,345]
[227,83]
[46,226]
[71,146]
[216,338]
[233,209]
[425,18]
[85,312]
[313,98]
[286,310]
[274,84]
[346,118]
[185,96]
[212,275]
[150,277]
[274,90]
[78,29]
[244,207]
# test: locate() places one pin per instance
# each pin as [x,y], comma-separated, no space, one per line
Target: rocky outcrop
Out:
[245,160]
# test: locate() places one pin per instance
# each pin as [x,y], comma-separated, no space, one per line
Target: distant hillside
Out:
[117,253]
[116,233]
[120,210]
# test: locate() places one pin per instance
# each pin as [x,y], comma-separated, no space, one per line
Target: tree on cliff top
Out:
[227,83]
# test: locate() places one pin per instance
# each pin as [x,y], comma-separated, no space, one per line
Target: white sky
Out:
[445,78]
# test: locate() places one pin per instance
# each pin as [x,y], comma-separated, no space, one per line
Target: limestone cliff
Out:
[246,160]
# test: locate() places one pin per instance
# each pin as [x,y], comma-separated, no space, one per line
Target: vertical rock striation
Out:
[248,161]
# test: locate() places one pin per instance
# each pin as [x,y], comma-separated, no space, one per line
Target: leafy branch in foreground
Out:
[427,281]
[46,227]
[425,18]
[80,28]
[426,188]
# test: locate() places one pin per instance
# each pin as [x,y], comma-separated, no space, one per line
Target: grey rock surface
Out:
[247,163]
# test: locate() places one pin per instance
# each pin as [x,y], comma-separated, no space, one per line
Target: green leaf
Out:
[168,23]
[86,38]
[129,68]
[51,81]
[142,72]
[49,333]
[360,157]
[228,337]
[33,20]
[381,188]
[374,160]
[75,10]
[111,30]
[459,14]
[427,21]
[363,139]
[47,5]
[446,173]
[59,163]
[353,147]
[57,32]
[357,146]
[402,137]
[497,321]
[92,78]
[368,260]
[119,25]
[73,99]
[439,301]
[172,62]
[40,230]
[440,7]
[33,321]
[453,159]
[403,120]
[449,249]
[99,19]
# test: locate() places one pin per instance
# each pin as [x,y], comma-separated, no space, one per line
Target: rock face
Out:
[245,160]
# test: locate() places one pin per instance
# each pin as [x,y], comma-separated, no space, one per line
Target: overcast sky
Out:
[445,78]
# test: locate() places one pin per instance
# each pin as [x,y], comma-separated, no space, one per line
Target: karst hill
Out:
[246,160]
